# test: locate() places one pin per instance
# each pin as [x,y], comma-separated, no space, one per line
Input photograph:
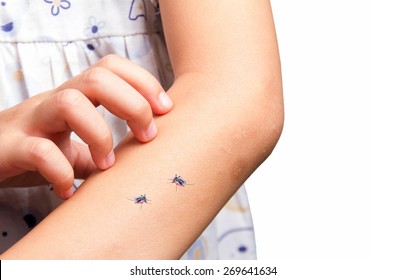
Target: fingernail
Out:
[165,100]
[67,194]
[151,131]
[110,159]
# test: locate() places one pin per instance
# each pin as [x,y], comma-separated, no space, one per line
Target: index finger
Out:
[140,79]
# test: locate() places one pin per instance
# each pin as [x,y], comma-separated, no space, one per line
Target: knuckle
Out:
[41,150]
[105,138]
[101,139]
[94,76]
[141,111]
[109,60]
[67,99]
[65,176]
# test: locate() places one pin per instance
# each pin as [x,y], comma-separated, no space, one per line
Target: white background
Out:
[311,199]
[334,188]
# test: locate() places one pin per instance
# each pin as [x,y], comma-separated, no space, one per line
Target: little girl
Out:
[59,60]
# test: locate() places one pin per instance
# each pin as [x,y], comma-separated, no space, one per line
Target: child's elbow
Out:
[268,103]
[273,120]
[256,131]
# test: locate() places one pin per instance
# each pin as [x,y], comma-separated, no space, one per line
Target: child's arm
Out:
[227,119]
[35,134]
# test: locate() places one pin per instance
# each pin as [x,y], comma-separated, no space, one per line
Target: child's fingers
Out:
[42,155]
[70,110]
[140,79]
[101,86]
[81,160]
[79,157]
[77,154]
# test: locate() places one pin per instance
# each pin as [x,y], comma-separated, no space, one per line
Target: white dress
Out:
[45,42]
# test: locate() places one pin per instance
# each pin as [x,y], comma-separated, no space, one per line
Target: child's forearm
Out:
[214,148]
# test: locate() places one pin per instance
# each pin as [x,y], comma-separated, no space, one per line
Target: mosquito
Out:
[140,200]
[178,181]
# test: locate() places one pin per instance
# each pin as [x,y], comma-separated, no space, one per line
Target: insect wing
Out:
[182,182]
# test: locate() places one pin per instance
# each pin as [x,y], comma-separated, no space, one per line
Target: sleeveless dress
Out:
[45,42]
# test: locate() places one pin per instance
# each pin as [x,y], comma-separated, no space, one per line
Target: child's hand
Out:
[35,134]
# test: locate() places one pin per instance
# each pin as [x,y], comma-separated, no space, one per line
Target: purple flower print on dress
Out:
[93,44]
[94,27]
[8,26]
[57,5]
[137,10]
